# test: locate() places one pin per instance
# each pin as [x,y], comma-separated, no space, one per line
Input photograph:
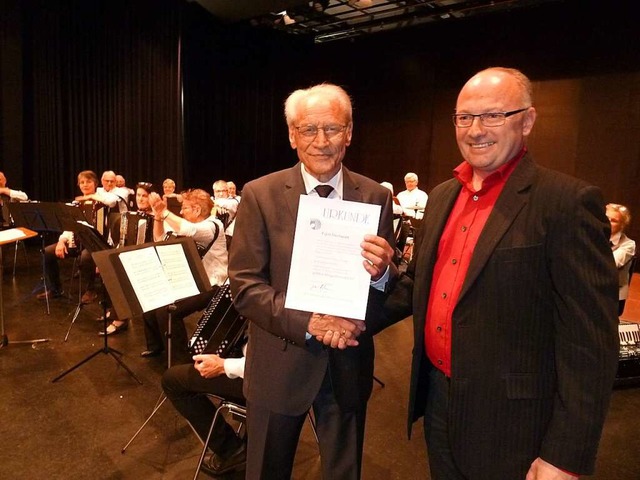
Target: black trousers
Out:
[273,439]
[87,269]
[185,388]
[436,431]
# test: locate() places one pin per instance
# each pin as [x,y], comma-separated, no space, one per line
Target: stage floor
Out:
[75,428]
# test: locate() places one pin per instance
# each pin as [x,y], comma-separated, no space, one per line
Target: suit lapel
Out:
[513,198]
[350,188]
[293,188]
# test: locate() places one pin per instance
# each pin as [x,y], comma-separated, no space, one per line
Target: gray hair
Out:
[332,93]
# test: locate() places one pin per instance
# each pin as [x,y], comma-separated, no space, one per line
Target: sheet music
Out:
[11,234]
[176,267]
[148,278]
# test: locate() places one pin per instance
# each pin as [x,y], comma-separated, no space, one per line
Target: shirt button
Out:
[439,362]
[464,229]
[444,295]
[454,261]
[475,198]
[438,328]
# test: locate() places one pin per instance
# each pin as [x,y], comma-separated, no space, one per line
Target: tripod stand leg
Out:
[77,365]
[76,313]
[113,352]
[159,403]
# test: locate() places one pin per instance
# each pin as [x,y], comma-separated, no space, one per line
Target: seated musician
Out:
[208,233]
[109,194]
[171,198]
[143,189]
[186,387]
[66,245]
[622,246]
[8,195]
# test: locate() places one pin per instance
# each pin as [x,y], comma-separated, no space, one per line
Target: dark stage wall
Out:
[583,57]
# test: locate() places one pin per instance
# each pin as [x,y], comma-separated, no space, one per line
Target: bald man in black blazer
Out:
[297,360]
[531,325]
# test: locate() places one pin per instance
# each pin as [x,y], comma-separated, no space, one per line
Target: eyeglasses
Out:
[311,131]
[144,185]
[490,119]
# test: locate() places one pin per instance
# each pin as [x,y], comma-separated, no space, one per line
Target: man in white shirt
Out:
[413,200]
[8,195]
[186,387]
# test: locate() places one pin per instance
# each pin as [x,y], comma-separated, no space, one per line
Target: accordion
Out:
[220,328]
[136,228]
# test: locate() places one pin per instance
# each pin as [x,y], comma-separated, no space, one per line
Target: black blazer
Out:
[534,338]
[284,372]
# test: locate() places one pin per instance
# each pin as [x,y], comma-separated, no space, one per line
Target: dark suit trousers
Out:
[185,388]
[273,439]
[436,431]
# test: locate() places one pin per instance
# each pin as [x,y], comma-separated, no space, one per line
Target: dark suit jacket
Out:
[534,337]
[284,371]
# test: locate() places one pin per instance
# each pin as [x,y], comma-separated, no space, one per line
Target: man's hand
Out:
[378,255]
[541,470]
[61,249]
[209,365]
[335,332]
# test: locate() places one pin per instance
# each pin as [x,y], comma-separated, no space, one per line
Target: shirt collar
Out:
[615,239]
[464,173]
[311,182]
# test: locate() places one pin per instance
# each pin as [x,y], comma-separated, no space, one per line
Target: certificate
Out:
[327,275]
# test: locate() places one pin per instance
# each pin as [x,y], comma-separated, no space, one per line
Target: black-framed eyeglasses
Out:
[311,131]
[144,185]
[490,119]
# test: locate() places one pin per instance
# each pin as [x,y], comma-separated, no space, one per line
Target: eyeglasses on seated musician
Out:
[208,233]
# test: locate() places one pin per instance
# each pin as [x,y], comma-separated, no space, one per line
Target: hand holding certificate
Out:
[326,273]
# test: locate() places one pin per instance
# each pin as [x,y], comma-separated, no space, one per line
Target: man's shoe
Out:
[49,294]
[219,466]
[89,297]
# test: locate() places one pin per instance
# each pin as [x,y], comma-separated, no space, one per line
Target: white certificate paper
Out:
[327,275]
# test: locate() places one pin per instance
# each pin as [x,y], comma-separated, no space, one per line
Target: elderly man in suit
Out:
[296,359]
[514,296]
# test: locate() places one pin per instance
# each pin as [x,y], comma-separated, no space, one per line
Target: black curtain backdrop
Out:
[103,92]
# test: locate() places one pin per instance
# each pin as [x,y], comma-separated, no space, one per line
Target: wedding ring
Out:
[343,332]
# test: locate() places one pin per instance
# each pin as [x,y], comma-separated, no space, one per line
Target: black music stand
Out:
[94,242]
[41,217]
[129,303]
[11,236]
[74,219]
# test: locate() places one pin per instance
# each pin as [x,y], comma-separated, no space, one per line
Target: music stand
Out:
[12,235]
[40,217]
[74,219]
[94,242]
[128,302]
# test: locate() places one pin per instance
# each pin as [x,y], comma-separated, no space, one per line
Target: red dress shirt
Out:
[457,243]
